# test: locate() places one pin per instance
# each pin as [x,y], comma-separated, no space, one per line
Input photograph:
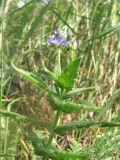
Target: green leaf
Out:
[34,79]
[64,155]
[38,144]
[66,128]
[23,118]
[67,78]
[51,74]
[68,107]
[41,148]
[77,91]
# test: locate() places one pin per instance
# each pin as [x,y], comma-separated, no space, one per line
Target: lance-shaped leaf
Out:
[68,107]
[67,128]
[77,91]
[69,75]
[23,118]
[51,74]
[34,79]
[41,148]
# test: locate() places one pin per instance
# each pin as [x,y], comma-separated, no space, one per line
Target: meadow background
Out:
[25,28]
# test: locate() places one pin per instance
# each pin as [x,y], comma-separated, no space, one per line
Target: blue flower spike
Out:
[58,39]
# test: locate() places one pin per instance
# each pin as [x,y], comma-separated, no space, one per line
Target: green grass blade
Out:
[106,32]
[34,24]
[108,104]
[64,21]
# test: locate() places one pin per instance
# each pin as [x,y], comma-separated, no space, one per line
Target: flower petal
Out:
[58,40]
[50,41]
[65,44]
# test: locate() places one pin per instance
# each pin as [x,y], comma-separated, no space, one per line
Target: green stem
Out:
[1,64]
[1,51]
[56,122]
[58,114]
[58,63]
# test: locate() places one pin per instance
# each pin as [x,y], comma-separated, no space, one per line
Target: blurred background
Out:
[95,24]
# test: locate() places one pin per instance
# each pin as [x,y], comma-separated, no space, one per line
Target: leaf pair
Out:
[65,80]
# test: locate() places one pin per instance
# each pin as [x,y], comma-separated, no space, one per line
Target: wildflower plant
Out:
[59,98]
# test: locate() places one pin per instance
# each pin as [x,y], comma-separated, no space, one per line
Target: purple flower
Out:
[65,43]
[58,40]
[55,41]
